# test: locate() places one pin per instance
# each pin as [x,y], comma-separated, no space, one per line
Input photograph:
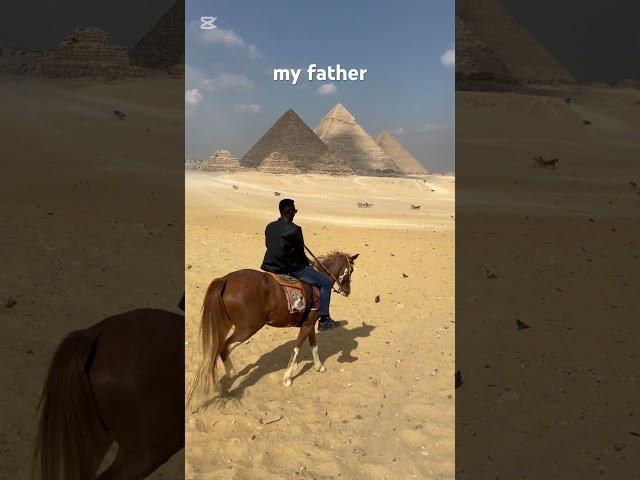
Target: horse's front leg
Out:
[305,331]
[317,364]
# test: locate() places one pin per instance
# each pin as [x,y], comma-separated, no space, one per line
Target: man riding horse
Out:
[285,255]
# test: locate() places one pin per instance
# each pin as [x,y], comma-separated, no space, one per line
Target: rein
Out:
[338,282]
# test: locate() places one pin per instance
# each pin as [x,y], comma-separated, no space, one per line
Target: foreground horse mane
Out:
[334,254]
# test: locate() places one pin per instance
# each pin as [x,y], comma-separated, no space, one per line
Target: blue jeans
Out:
[313,277]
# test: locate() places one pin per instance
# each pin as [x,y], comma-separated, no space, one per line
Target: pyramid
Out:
[86,52]
[474,60]
[292,137]
[278,163]
[340,131]
[163,45]
[330,163]
[516,49]
[221,161]
[403,159]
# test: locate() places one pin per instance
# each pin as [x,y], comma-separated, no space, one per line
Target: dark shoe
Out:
[326,323]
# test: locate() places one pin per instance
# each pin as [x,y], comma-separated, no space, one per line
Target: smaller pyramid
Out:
[401,157]
[330,163]
[349,141]
[278,163]
[87,53]
[221,161]
[163,45]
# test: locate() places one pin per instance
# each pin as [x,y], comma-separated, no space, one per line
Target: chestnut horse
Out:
[120,380]
[248,300]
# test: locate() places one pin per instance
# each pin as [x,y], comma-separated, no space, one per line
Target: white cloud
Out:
[228,81]
[193,97]
[399,131]
[247,108]
[327,89]
[448,58]
[219,36]
[225,38]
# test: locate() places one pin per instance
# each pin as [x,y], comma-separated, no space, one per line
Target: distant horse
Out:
[541,162]
[120,380]
[415,207]
[248,300]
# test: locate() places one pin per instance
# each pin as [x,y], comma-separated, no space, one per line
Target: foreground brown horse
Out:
[122,381]
[248,300]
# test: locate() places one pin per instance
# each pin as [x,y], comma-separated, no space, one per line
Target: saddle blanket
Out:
[296,301]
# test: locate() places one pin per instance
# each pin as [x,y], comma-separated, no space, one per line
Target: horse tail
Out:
[214,326]
[69,435]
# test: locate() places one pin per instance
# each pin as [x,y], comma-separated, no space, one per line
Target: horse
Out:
[120,380]
[248,300]
[541,162]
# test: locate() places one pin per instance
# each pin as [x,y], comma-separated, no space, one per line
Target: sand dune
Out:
[384,409]
[563,244]
[91,226]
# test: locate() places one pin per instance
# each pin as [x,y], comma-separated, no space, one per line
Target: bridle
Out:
[338,281]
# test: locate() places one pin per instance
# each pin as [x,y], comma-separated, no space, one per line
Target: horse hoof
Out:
[287,382]
[322,369]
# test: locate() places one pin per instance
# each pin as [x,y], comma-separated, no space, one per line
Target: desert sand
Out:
[384,409]
[563,245]
[91,226]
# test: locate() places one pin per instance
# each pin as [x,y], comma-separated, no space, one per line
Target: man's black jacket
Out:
[285,248]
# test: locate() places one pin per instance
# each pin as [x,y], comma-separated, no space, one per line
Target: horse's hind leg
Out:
[305,331]
[314,351]
[237,338]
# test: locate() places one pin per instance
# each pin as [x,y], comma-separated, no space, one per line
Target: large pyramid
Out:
[516,49]
[292,137]
[403,159]
[340,131]
[474,60]
[163,45]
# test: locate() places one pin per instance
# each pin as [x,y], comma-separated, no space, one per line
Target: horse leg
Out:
[305,331]
[237,338]
[314,351]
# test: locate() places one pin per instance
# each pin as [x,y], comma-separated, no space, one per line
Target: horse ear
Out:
[353,257]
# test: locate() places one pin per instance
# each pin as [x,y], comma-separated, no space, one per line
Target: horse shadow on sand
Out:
[342,342]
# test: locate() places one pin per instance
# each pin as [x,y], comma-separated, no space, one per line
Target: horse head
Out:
[340,266]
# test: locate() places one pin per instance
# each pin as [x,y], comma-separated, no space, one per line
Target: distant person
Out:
[285,255]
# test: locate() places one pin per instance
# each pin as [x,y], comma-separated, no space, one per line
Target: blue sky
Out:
[231,98]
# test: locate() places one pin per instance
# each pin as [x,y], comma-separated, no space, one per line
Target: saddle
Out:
[302,298]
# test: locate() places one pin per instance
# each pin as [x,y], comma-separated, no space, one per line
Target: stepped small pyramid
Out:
[292,137]
[86,53]
[348,140]
[403,159]
[221,161]
[278,163]
[163,45]
[522,55]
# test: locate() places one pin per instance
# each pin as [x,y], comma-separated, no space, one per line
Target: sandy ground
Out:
[385,407]
[564,247]
[91,226]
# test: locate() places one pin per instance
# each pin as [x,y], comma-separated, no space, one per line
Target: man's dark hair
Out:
[286,206]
